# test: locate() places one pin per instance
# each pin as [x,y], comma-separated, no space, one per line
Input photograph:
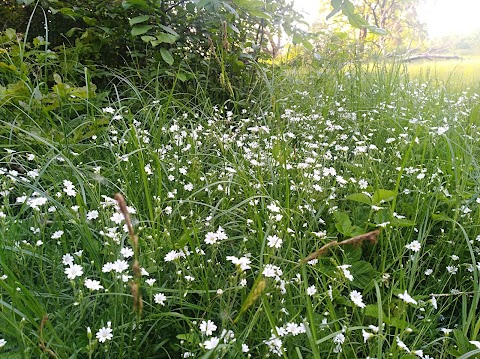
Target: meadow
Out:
[456,74]
[334,214]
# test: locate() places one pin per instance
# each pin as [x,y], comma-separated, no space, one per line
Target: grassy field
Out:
[455,74]
[334,215]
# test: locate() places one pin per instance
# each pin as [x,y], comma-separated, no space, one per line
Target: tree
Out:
[396,20]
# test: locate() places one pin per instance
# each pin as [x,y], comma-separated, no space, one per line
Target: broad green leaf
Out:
[11,33]
[168,29]
[139,19]
[57,78]
[89,20]
[148,38]
[68,12]
[363,274]
[166,56]
[143,4]
[297,38]
[166,38]
[181,77]
[140,29]
[11,67]
[382,195]
[360,197]
[259,13]
[306,44]
[343,221]
[377,30]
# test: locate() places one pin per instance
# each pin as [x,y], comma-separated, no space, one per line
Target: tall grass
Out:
[227,200]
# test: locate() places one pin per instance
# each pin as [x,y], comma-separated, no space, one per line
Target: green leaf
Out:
[148,38]
[180,76]
[57,78]
[363,274]
[297,38]
[343,223]
[307,44]
[166,56]
[139,19]
[11,33]
[461,341]
[166,38]
[401,222]
[140,29]
[440,217]
[169,30]
[382,195]
[376,30]
[142,4]
[360,197]
[89,20]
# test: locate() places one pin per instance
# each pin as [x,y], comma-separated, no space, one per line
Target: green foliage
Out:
[217,43]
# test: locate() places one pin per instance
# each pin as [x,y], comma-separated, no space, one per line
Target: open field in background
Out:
[454,74]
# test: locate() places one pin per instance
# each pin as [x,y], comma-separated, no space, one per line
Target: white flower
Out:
[67,259]
[211,343]
[418,353]
[120,265]
[93,284]
[207,327]
[211,238]
[452,269]
[92,215]
[311,290]
[2,342]
[271,271]
[160,298]
[407,298]
[107,267]
[274,241]
[188,187]
[69,188]
[126,252]
[363,184]
[414,246]
[245,348]
[117,217]
[402,345]
[357,298]
[74,271]
[171,256]
[104,334]
[272,207]
[108,109]
[57,234]
[150,281]
[338,339]
[148,169]
[243,262]
[366,335]
[433,301]
[346,272]
[36,202]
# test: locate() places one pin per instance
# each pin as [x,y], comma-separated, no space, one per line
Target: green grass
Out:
[454,74]
[319,157]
